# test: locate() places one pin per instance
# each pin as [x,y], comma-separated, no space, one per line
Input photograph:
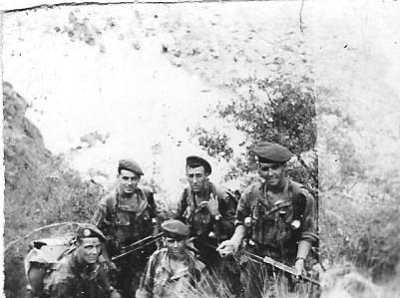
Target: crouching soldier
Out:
[172,271]
[78,273]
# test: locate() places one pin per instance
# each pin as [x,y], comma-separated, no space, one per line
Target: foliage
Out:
[40,189]
[273,109]
[214,142]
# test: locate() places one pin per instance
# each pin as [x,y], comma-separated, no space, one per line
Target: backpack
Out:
[41,260]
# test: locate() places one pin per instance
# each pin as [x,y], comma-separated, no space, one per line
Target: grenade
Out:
[295,224]
[212,235]
[248,222]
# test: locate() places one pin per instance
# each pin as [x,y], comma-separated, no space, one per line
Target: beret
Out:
[271,152]
[130,165]
[175,229]
[89,231]
[194,161]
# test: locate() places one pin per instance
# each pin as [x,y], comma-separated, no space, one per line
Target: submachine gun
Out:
[131,248]
[278,265]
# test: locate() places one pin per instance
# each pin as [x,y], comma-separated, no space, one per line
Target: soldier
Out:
[125,216]
[209,211]
[80,273]
[276,215]
[172,271]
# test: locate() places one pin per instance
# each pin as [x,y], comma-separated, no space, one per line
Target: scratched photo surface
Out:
[86,85]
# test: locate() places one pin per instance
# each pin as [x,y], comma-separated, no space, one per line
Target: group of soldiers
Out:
[210,230]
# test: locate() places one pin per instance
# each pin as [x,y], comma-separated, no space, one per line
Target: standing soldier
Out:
[172,271]
[209,211]
[79,273]
[125,216]
[277,216]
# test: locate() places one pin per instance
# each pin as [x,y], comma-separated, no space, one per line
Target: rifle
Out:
[279,265]
[131,248]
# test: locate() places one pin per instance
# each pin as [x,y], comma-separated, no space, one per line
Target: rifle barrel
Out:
[279,265]
[139,242]
[137,245]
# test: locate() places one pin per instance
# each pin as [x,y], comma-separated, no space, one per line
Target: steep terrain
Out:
[39,189]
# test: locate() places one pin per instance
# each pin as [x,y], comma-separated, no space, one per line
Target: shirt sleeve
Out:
[150,200]
[181,206]
[243,208]
[309,231]
[227,205]
[99,218]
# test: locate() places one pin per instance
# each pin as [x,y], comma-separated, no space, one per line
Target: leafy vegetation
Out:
[40,189]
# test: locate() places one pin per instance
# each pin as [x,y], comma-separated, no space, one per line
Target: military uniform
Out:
[125,220]
[161,278]
[71,277]
[275,223]
[207,229]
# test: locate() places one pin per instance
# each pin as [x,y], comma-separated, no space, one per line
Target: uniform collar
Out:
[136,193]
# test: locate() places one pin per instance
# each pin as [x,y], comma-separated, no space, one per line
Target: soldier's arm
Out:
[105,280]
[150,200]
[242,211]
[309,236]
[181,206]
[100,215]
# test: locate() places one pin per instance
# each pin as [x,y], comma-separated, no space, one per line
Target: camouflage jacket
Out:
[160,280]
[272,216]
[70,279]
[200,219]
[126,220]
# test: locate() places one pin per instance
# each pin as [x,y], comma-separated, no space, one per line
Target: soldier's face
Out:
[128,182]
[272,173]
[89,250]
[175,247]
[196,178]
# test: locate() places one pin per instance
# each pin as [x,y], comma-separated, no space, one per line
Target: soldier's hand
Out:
[115,294]
[299,267]
[213,205]
[227,247]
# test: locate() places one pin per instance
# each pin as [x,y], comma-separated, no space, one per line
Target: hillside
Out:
[39,189]
[148,76]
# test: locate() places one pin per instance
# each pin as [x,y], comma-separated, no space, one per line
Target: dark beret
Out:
[130,165]
[271,152]
[196,161]
[89,231]
[175,229]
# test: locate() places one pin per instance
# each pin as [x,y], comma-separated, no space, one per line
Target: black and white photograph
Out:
[189,148]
